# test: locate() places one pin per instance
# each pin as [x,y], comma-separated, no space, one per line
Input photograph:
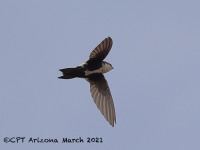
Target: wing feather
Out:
[102,97]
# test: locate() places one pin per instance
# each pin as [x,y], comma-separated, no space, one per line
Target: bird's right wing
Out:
[100,52]
[102,97]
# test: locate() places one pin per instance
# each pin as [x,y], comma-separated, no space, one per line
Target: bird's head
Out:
[107,67]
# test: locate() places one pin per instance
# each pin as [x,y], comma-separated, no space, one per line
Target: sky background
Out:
[155,82]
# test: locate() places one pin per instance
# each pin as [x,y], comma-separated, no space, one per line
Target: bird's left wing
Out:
[102,97]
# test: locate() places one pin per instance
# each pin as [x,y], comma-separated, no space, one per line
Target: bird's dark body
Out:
[79,71]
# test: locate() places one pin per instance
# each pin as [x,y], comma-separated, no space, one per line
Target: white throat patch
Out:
[106,67]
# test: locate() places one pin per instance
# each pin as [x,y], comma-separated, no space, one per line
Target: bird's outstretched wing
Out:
[100,52]
[102,97]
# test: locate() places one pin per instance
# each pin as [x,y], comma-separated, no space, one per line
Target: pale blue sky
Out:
[155,83]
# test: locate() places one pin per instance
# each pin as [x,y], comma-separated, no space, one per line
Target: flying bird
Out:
[92,70]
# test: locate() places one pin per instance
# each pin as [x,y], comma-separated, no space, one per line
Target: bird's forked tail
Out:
[69,73]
